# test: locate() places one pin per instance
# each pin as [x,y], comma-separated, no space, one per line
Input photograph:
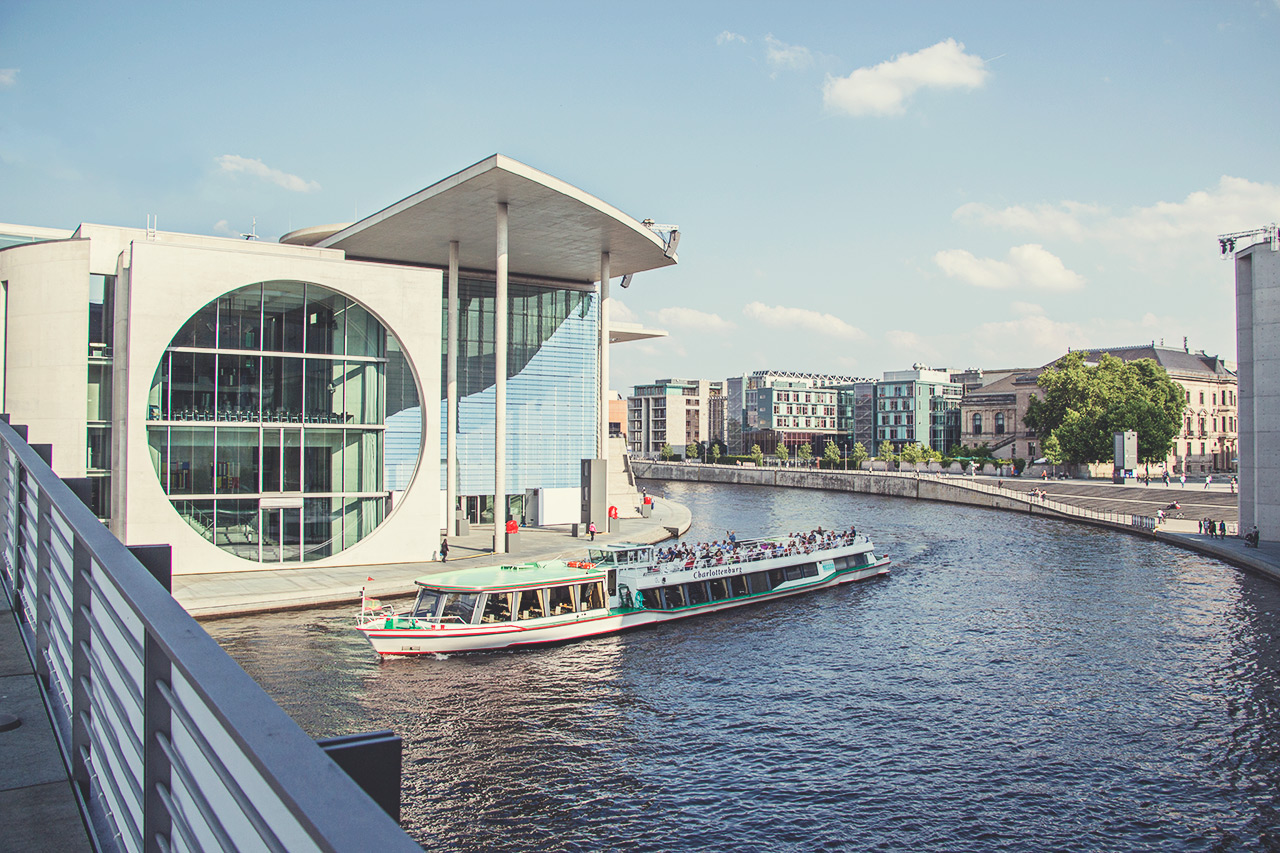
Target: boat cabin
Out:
[509,594]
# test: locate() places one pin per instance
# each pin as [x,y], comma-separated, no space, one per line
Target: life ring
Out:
[613,512]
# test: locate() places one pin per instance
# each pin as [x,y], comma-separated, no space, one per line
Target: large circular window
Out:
[267,419]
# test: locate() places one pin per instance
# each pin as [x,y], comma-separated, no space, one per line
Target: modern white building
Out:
[327,399]
[1258,350]
[679,412]
[918,406]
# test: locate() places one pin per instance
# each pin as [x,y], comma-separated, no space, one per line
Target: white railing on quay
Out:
[170,745]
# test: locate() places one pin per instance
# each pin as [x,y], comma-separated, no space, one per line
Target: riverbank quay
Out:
[224,594]
[1124,507]
[1264,560]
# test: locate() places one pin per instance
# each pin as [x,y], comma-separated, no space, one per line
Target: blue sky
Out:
[859,186]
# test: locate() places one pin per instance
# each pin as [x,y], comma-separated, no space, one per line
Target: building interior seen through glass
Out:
[266,422]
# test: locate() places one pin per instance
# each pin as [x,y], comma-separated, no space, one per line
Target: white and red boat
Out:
[619,587]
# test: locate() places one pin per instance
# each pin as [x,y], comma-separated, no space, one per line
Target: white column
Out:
[451,396]
[500,389]
[602,440]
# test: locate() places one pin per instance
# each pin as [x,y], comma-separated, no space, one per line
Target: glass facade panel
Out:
[269,410]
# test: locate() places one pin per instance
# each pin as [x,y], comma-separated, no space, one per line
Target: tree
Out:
[886,452]
[1084,406]
[913,452]
[715,453]
[858,455]
[831,453]
[667,452]
[804,452]
[756,454]
[1052,451]
[782,452]
[694,451]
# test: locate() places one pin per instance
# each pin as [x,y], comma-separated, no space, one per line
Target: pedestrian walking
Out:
[1165,477]
[591,528]
[444,550]
[1233,485]
[1182,478]
[1222,530]
[1208,481]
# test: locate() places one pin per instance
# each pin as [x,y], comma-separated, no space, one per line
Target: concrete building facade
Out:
[679,412]
[1258,351]
[332,398]
[918,406]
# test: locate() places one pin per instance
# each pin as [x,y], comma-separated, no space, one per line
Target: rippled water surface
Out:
[1014,684]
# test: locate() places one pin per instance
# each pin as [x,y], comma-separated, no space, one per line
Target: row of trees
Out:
[1082,408]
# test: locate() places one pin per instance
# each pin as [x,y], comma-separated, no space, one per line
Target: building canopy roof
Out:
[555,230]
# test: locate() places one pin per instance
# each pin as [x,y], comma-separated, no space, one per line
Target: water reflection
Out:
[1016,683]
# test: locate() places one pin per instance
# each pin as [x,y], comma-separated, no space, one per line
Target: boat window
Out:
[611,577]
[459,604]
[561,600]
[719,589]
[758,582]
[840,563]
[651,599]
[590,596]
[675,597]
[738,585]
[425,606]
[697,592]
[602,558]
[530,604]
[863,559]
[777,577]
[809,570]
[794,573]
[497,608]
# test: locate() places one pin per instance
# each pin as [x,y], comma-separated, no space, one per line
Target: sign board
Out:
[1126,450]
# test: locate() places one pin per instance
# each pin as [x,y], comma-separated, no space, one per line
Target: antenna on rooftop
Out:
[671,238]
[1268,233]
[253,232]
[153,224]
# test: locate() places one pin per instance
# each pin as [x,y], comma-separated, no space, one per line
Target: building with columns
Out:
[328,399]
[1258,348]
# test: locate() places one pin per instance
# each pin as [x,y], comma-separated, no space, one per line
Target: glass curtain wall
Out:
[551,388]
[266,421]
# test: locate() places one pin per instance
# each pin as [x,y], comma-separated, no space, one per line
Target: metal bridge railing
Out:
[171,746]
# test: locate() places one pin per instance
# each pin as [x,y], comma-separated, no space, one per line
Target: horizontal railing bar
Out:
[117,706]
[207,812]
[116,664]
[227,778]
[180,822]
[107,784]
[125,631]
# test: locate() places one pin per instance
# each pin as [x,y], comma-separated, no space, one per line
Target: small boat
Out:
[618,587]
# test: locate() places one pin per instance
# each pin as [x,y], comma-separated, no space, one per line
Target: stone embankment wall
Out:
[950,489]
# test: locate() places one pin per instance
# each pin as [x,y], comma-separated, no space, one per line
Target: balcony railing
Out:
[169,744]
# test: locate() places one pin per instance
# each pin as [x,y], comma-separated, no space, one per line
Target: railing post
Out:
[81,673]
[157,823]
[373,760]
[158,560]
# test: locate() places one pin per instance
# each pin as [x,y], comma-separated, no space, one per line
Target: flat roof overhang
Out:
[555,230]
[621,333]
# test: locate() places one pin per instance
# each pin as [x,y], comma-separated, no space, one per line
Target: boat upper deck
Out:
[482,578]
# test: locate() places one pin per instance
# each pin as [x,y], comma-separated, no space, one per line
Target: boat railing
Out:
[742,556]
[411,621]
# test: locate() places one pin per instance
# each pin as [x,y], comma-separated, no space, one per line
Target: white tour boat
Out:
[621,586]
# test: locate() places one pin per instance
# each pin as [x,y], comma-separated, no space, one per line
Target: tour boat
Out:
[619,586]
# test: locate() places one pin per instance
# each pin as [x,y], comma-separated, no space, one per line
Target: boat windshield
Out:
[427,604]
[622,556]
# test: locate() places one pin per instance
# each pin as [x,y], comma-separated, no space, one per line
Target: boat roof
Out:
[509,577]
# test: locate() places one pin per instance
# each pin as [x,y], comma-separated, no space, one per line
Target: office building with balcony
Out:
[918,406]
[675,412]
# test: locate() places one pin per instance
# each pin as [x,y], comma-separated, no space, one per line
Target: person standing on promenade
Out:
[591,528]
[1182,478]
[1222,530]
[1166,479]
[1208,481]
[444,550]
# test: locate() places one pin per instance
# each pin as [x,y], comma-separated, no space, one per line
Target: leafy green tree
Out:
[831,453]
[858,455]
[886,452]
[715,453]
[756,454]
[694,451]
[782,453]
[1084,406]
[804,452]
[913,452]
[1052,450]
[667,452]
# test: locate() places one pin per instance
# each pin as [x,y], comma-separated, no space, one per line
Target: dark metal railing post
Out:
[158,560]
[81,672]
[373,760]
[157,823]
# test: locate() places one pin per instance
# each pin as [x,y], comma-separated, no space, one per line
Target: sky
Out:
[859,186]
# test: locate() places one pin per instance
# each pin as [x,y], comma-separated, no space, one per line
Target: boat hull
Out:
[391,640]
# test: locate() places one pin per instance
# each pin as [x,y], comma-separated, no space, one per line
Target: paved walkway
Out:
[38,809]
[240,593]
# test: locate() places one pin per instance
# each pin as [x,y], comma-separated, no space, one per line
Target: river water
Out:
[1016,683]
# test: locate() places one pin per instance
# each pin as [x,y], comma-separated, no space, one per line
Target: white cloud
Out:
[619,312]
[802,319]
[224,227]
[8,78]
[783,56]
[884,89]
[690,318]
[1028,266]
[235,163]
[1024,308]
[727,36]
[1234,204]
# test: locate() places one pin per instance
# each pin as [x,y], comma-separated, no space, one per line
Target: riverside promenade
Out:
[241,593]
[1127,507]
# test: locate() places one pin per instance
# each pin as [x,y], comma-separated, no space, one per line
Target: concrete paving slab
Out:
[42,817]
